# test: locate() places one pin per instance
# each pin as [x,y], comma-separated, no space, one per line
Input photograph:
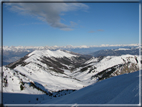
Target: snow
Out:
[105,63]
[123,89]
[93,59]
[68,80]
[37,54]
[122,49]
[110,61]
[57,47]
[20,98]
[14,83]
[49,53]
[51,81]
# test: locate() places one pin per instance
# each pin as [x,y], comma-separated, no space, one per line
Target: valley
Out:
[49,74]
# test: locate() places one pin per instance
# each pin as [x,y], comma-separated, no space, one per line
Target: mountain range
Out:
[11,54]
[116,52]
[47,74]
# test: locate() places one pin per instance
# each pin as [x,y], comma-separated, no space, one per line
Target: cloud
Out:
[73,24]
[66,29]
[91,31]
[48,12]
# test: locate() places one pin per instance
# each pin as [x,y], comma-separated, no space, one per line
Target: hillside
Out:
[123,89]
[57,73]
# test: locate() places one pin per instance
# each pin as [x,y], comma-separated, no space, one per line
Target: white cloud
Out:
[48,12]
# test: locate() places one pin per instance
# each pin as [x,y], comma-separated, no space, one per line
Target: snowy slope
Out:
[57,73]
[115,60]
[51,68]
[15,81]
[41,69]
[49,53]
[107,67]
[122,89]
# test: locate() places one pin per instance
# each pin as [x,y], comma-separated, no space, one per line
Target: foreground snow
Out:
[123,89]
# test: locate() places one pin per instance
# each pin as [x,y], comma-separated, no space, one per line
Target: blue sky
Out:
[70,24]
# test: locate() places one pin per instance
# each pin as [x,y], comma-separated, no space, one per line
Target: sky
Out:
[76,24]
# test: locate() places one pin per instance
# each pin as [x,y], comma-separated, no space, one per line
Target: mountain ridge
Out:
[116,52]
[11,54]
[44,70]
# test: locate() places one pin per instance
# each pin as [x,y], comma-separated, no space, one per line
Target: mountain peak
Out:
[48,53]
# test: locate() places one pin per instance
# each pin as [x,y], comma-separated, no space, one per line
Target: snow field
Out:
[51,82]
[48,53]
[123,89]
[48,80]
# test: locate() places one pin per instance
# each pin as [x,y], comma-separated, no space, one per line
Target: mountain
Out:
[55,73]
[12,56]
[116,52]
[20,48]
[13,53]
[123,89]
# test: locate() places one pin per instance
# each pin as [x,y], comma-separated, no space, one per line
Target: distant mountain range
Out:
[56,73]
[116,52]
[15,48]
[11,54]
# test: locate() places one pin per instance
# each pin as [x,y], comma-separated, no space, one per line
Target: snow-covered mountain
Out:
[57,73]
[16,48]
[13,53]
[122,89]
[116,52]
